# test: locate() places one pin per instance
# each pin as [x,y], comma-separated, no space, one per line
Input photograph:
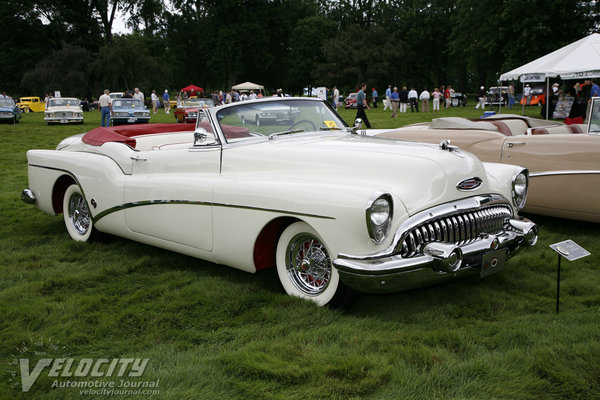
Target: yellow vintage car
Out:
[31,104]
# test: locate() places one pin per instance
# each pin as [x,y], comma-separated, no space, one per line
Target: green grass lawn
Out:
[211,332]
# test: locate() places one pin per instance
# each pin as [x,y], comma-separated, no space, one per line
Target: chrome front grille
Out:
[459,228]
[67,114]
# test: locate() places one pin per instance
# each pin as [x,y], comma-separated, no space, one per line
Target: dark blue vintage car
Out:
[9,112]
[128,111]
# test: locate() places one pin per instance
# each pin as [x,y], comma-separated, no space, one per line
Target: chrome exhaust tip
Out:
[27,196]
[449,256]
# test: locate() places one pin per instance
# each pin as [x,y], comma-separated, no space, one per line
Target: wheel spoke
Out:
[309,266]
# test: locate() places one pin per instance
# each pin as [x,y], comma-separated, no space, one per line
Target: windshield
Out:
[248,119]
[198,103]
[63,103]
[128,103]
[7,103]
[594,124]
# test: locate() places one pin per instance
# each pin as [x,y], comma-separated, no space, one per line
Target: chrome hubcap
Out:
[308,264]
[79,214]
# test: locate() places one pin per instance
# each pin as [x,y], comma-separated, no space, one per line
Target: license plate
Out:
[64,121]
[130,120]
[492,262]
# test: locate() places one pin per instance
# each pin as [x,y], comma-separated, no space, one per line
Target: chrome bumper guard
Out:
[27,196]
[439,261]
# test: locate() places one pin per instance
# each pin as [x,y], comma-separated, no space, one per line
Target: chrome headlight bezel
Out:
[379,214]
[520,187]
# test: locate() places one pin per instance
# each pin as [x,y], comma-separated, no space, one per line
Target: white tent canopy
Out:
[578,60]
[248,86]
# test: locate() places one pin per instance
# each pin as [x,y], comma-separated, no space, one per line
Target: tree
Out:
[64,70]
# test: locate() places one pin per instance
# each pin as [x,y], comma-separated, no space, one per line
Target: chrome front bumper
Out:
[438,262]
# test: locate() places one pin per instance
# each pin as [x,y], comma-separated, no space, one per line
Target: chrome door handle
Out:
[511,144]
[137,157]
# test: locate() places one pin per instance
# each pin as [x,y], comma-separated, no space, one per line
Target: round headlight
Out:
[380,211]
[379,216]
[519,185]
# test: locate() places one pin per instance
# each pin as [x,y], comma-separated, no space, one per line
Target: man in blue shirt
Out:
[375,97]
[595,88]
[361,104]
[166,103]
[388,95]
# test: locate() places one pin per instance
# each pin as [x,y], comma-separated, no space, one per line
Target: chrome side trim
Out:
[200,203]
[573,172]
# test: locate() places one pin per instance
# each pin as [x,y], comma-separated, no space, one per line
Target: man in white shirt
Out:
[424,97]
[104,107]
[138,95]
[336,97]
[412,99]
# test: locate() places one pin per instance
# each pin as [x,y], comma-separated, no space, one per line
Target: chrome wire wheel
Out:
[79,214]
[78,219]
[308,264]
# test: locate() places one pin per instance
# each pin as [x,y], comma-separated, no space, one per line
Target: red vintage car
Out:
[535,98]
[189,108]
[350,101]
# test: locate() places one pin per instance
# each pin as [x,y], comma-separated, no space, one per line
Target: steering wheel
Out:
[314,128]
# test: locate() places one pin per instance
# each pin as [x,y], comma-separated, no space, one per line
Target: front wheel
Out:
[305,269]
[78,219]
[26,109]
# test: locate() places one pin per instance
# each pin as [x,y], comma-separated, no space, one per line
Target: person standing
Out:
[375,97]
[361,104]
[395,99]
[481,98]
[104,107]
[436,99]
[511,95]
[526,94]
[154,99]
[166,101]
[138,95]
[403,95]
[388,94]
[336,98]
[412,98]
[595,92]
[448,96]
[424,97]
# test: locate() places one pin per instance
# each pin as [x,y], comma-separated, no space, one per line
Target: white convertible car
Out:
[332,210]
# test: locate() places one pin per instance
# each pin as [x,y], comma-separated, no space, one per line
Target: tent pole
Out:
[548,98]
[523,97]
[500,106]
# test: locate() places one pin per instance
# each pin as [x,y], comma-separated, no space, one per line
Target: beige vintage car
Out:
[563,160]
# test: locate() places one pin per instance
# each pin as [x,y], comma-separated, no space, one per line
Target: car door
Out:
[168,196]
[564,172]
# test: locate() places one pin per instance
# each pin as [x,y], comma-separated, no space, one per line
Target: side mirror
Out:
[204,138]
[358,123]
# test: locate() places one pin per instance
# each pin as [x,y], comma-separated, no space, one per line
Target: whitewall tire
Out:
[76,212]
[304,266]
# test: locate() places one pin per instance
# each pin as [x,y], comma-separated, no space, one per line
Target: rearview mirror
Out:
[204,138]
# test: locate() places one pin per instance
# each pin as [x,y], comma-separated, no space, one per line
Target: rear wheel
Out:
[78,219]
[305,269]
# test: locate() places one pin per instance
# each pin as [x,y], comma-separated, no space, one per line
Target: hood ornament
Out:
[445,145]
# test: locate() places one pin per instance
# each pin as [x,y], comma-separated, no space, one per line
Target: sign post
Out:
[571,251]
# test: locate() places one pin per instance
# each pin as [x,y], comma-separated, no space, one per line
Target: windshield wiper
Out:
[272,135]
[329,128]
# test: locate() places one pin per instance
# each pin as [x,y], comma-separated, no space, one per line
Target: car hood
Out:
[63,109]
[128,109]
[7,109]
[420,175]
